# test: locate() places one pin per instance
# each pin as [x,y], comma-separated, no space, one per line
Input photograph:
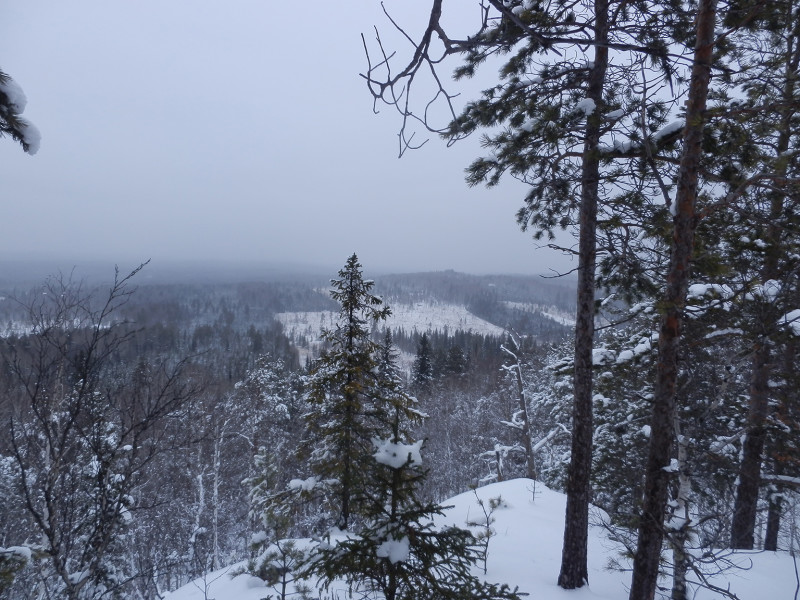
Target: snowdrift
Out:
[525,551]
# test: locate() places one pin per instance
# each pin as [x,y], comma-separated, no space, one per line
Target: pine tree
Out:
[555,122]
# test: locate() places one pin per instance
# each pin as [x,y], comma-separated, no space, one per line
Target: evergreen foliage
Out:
[346,409]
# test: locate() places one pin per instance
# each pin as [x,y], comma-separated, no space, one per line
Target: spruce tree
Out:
[422,370]
[345,407]
[398,553]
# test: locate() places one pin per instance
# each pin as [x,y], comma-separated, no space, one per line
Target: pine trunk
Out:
[773,524]
[574,571]
[651,526]
[746,504]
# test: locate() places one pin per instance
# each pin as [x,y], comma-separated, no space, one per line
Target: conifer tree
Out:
[345,406]
[765,253]
[398,552]
[422,371]
[558,100]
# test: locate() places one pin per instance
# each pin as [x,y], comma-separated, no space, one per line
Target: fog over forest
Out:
[400,301]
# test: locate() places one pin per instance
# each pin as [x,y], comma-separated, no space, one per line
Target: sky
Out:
[235,131]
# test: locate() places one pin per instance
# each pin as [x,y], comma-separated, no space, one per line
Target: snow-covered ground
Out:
[304,328]
[526,552]
[551,312]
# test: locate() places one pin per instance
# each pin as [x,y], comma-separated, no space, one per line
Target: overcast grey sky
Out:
[237,130]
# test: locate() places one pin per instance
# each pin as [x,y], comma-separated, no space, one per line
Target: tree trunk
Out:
[527,443]
[574,571]
[746,504]
[773,524]
[679,536]
[651,526]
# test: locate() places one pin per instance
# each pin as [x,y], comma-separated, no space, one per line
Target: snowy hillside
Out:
[304,328]
[551,312]
[526,552]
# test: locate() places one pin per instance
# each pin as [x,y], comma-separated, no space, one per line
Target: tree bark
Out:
[651,526]
[746,503]
[773,524]
[574,571]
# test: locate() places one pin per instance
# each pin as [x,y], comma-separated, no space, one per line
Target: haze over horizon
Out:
[196,132]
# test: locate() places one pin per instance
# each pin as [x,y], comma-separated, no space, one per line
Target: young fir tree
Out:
[399,554]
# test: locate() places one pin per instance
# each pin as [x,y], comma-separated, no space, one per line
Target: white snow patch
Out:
[394,550]
[673,466]
[15,94]
[624,356]
[396,455]
[305,485]
[668,130]
[602,356]
[259,537]
[792,321]
[587,106]
[304,329]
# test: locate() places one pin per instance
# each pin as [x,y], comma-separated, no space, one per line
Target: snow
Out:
[258,538]
[727,331]
[396,455]
[304,328]
[602,356]
[394,550]
[551,312]
[698,291]
[792,321]
[769,290]
[624,356]
[673,127]
[32,136]
[15,94]
[587,106]
[18,101]
[526,552]
[305,485]
[21,552]
[673,466]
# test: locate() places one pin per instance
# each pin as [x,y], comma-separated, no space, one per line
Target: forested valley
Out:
[150,428]
[136,413]
[308,432]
